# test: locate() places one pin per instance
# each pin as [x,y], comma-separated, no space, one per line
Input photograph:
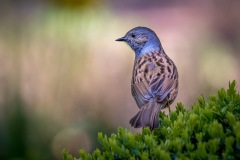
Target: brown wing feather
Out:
[154,76]
[141,93]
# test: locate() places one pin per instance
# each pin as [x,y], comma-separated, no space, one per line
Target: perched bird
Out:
[154,79]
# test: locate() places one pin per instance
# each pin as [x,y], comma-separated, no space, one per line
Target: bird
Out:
[154,84]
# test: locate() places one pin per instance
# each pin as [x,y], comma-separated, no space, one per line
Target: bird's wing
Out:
[141,93]
[161,86]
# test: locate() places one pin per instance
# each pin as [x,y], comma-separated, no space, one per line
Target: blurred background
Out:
[63,78]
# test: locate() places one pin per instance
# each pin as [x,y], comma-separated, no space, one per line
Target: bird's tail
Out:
[147,116]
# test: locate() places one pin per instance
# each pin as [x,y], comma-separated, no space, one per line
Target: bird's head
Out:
[142,40]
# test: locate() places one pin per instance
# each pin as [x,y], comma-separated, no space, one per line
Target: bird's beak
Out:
[121,39]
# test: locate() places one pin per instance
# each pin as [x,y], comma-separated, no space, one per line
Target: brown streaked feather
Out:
[141,93]
[154,85]
[152,77]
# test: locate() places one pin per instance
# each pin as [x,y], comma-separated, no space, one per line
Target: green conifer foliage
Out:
[209,130]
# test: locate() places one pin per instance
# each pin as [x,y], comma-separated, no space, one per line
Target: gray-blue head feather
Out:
[142,40]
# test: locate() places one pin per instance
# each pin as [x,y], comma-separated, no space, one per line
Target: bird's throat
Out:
[147,49]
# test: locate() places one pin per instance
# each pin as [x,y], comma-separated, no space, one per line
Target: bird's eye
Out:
[133,35]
